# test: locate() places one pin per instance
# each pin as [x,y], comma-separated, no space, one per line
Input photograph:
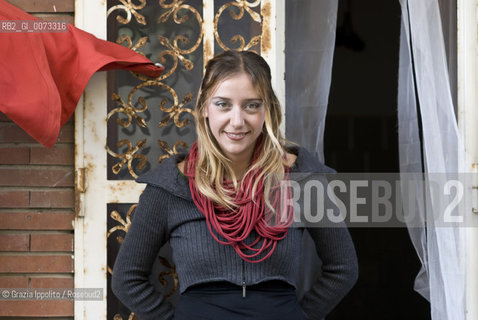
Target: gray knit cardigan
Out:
[166,212]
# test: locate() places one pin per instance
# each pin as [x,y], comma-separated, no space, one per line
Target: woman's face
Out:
[236,116]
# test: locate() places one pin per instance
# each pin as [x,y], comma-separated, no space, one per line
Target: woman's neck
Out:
[240,164]
[240,169]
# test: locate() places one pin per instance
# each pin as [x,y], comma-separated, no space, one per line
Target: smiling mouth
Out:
[238,135]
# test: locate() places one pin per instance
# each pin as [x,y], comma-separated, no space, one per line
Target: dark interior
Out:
[361,136]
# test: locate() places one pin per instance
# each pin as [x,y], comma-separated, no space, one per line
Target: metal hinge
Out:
[474,209]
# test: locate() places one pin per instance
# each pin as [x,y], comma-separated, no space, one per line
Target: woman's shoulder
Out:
[167,176]
[303,160]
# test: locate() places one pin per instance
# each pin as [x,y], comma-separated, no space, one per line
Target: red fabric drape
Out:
[42,75]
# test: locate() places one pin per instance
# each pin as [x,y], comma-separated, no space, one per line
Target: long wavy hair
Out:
[213,165]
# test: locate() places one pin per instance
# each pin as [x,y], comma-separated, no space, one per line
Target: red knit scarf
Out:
[234,226]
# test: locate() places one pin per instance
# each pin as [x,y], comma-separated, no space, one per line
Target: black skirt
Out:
[271,300]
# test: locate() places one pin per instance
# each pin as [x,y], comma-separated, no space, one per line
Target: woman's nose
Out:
[237,117]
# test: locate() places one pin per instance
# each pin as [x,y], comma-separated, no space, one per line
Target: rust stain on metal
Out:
[93,131]
[208,54]
[120,186]
[80,180]
[90,107]
[90,166]
[79,189]
[266,28]
[77,204]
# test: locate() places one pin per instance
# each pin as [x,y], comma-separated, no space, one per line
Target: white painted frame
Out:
[90,140]
[467,20]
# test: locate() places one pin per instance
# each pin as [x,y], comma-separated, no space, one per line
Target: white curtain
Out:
[424,98]
[310,43]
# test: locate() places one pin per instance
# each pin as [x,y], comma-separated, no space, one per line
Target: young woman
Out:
[236,252]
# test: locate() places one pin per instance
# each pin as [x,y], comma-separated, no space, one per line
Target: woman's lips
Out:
[235,135]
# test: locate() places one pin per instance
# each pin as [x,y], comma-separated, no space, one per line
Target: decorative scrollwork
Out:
[177,51]
[128,156]
[129,43]
[242,5]
[131,9]
[165,146]
[171,272]
[123,225]
[175,111]
[173,7]
[119,317]
[128,109]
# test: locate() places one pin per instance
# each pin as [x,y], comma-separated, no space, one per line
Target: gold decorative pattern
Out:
[242,5]
[119,317]
[128,109]
[129,43]
[178,48]
[131,9]
[175,50]
[131,112]
[128,156]
[171,272]
[175,111]
[165,146]
[123,226]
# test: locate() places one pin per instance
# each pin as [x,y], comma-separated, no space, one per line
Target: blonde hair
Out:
[212,165]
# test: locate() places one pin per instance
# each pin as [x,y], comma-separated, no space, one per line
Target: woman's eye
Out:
[253,106]
[221,104]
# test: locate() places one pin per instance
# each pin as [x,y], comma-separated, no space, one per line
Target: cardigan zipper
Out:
[243,279]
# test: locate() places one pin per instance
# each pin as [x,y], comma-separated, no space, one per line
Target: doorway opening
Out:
[361,135]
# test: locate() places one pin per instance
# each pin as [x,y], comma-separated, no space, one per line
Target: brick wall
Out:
[37,204]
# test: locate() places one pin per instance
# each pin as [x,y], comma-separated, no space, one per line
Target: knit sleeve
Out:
[335,249]
[339,271]
[147,234]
